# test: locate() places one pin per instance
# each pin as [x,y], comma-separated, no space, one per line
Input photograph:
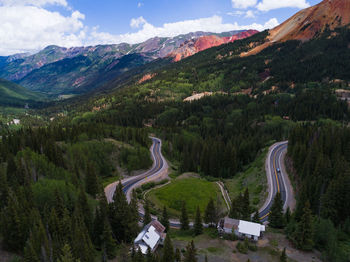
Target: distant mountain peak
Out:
[195,45]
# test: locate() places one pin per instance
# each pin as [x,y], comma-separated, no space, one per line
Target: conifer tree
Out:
[147,218]
[168,250]
[86,210]
[29,253]
[246,205]
[304,232]
[276,215]
[165,219]
[177,255]
[191,253]
[198,226]
[283,257]
[149,256]
[287,216]
[66,255]
[91,180]
[206,258]
[256,217]
[210,213]
[184,217]
[108,242]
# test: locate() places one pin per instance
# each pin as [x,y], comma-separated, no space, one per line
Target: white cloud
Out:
[244,3]
[267,5]
[139,4]
[249,14]
[33,2]
[236,13]
[137,22]
[28,28]
[211,24]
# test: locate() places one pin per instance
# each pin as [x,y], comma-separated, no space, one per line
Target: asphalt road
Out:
[158,169]
[277,178]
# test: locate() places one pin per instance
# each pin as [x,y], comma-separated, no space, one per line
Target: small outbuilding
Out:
[241,228]
[151,236]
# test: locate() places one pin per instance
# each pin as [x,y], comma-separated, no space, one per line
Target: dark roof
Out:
[157,225]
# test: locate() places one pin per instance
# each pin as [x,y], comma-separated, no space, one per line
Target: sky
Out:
[31,25]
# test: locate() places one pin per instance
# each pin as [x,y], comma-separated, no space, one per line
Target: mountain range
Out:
[58,70]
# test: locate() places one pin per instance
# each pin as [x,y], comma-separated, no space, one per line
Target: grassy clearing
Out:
[194,191]
[254,177]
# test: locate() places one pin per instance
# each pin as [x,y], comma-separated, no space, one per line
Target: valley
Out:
[211,145]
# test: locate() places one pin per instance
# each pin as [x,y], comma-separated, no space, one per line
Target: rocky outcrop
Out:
[194,46]
[309,23]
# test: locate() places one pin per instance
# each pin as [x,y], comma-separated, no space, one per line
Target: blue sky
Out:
[114,16]
[30,25]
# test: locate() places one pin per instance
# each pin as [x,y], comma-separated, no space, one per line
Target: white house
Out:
[151,236]
[241,228]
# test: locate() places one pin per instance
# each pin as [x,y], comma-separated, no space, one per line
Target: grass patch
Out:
[215,250]
[194,191]
[109,180]
[254,177]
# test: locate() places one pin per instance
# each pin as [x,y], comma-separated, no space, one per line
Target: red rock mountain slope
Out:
[194,46]
[308,23]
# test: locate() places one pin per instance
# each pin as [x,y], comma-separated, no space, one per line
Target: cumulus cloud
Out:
[29,27]
[211,24]
[33,2]
[249,14]
[267,5]
[139,4]
[244,3]
[137,22]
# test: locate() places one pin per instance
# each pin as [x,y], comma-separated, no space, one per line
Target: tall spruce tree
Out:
[198,226]
[246,205]
[66,255]
[256,217]
[147,218]
[108,243]
[210,213]
[168,250]
[303,236]
[184,217]
[276,216]
[191,253]
[91,180]
[177,255]
[165,219]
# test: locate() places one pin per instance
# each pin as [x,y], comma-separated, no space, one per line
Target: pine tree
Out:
[304,232]
[177,255]
[206,258]
[210,213]
[91,181]
[138,257]
[198,226]
[246,206]
[168,251]
[149,256]
[66,255]
[147,218]
[283,257]
[191,253]
[184,217]
[29,253]
[256,217]
[108,242]
[86,210]
[287,216]
[165,219]
[276,215]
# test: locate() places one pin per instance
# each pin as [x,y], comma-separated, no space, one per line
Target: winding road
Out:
[159,169]
[277,177]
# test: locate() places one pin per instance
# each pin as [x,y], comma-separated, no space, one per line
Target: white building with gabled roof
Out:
[151,236]
[241,228]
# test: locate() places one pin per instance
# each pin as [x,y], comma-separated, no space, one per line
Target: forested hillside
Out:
[321,160]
